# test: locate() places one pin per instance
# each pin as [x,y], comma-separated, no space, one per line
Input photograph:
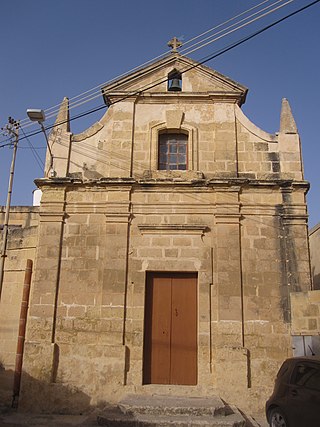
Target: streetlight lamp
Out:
[36,115]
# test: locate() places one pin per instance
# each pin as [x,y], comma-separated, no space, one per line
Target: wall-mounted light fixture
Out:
[36,115]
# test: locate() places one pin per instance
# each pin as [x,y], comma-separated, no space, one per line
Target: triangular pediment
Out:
[196,79]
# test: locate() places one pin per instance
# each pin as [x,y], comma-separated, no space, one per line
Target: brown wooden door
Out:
[170,339]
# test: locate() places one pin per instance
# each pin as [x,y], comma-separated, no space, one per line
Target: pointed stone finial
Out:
[174,44]
[287,122]
[62,120]
[56,163]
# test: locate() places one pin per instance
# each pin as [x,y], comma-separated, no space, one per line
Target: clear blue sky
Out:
[56,48]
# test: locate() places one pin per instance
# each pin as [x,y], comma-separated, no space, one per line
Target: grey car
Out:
[295,401]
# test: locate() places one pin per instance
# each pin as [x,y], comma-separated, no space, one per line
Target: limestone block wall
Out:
[222,142]
[170,231]
[305,308]
[262,155]
[127,142]
[258,155]
[78,298]
[104,150]
[70,378]
[21,245]
[268,244]
[97,243]
[21,216]
[236,217]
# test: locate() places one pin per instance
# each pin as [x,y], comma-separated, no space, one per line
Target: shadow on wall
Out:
[44,397]
[6,386]
[316,281]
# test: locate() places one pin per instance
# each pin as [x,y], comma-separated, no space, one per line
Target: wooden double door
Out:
[170,334]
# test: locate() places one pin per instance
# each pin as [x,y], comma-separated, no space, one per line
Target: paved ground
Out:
[262,422]
[15,419]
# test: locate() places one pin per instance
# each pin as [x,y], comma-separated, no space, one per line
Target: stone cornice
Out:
[172,97]
[295,219]
[227,218]
[78,182]
[113,217]
[285,185]
[52,216]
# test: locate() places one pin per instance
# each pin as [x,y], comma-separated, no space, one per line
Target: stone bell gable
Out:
[197,80]
[222,142]
[171,234]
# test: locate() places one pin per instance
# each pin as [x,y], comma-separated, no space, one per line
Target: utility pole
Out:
[11,129]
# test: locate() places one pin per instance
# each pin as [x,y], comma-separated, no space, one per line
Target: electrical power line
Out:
[204,60]
[56,107]
[237,28]
[225,22]
[34,152]
[201,62]
[95,95]
[192,48]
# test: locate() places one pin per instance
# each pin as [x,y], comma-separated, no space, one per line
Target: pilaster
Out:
[45,288]
[227,266]
[114,291]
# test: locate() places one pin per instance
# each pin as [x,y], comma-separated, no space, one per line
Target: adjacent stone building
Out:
[305,306]
[170,236]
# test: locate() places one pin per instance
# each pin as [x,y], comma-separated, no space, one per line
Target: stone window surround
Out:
[192,164]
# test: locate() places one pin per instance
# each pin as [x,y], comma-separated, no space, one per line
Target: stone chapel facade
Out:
[171,234]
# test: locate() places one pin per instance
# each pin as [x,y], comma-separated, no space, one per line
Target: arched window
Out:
[173,149]
[174,81]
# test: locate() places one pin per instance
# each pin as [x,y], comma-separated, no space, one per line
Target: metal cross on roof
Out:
[174,44]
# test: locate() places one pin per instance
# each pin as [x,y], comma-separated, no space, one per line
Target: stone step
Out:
[151,411]
[149,420]
[192,421]
[172,405]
